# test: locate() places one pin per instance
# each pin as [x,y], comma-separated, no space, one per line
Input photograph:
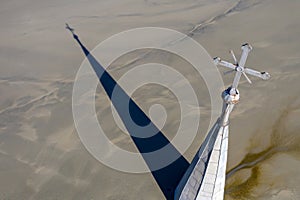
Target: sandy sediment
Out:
[41,155]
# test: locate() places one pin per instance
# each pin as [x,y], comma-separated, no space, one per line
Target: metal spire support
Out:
[205,177]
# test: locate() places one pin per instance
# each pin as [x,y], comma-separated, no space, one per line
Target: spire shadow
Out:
[168,177]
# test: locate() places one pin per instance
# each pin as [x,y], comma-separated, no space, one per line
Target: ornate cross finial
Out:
[239,67]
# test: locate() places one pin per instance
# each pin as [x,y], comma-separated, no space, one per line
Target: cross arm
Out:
[262,75]
[224,63]
[246,48]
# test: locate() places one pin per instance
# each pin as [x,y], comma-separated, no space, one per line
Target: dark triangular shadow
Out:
[148,139]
